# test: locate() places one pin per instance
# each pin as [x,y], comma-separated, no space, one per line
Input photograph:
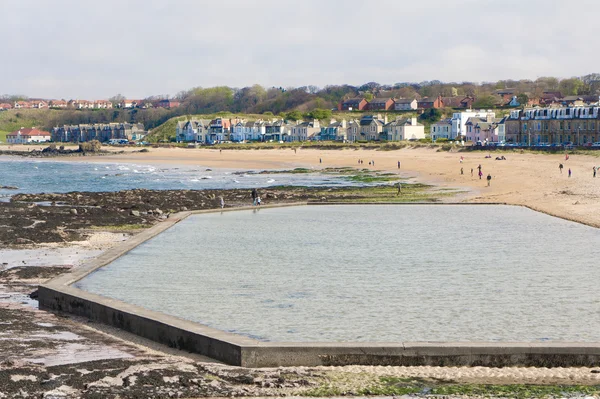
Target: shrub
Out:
[90,146]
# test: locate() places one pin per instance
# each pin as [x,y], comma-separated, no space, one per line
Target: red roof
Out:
[30,132]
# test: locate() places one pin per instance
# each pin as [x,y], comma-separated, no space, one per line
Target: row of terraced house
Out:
[368,128]
[103,132]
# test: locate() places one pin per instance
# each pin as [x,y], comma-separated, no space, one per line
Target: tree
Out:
[368,96]
[319,113]
[487,101]
[570,87]
[294,115]
[115,100]
[523,99]
[431,115]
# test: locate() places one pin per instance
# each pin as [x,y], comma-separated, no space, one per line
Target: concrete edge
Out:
[58,295]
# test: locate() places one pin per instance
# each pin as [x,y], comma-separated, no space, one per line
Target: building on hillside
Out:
[458,101]
[403,129]
[505,95]
[38,104]
[579,101]
[102,104]
[405,104]
[247,131]
[58,104]
[28,135]
[192,131]
[459,120]
[430,102]
[166,103]
[485,129]
[353,104]
[22,105]
[218,130]
[304,131]
[130,104]
[371,127]
[441,129]
[381,104]
[551,97]
[5,106]
[557,125]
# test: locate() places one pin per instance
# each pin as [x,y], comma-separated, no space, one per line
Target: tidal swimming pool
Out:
[370,273]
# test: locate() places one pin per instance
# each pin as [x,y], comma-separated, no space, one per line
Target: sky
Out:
[139,48]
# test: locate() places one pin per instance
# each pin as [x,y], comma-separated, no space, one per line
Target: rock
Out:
[184,208]
[135,213]
[73,211]
[9,187]
[158,211]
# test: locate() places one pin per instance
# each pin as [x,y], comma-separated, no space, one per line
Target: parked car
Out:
[596,144]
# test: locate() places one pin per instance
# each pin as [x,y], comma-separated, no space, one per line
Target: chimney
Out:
[413,121]
[316,124]
[344,124]
[489,118]
[385,119]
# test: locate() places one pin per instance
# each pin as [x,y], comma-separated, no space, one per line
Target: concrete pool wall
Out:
[59,295]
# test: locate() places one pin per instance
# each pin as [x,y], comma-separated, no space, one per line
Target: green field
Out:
[3,136]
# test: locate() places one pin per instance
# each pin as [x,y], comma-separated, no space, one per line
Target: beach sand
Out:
[532,180]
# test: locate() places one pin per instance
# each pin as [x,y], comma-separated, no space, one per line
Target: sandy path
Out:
[532,180]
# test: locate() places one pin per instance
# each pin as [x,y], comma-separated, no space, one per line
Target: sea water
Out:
[370,273]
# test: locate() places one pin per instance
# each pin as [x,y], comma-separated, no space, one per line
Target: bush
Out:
[90,146]
[441,140]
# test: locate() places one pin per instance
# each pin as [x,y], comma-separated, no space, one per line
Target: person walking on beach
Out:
[569,172]
[399,189]
[471,172]
[560,167]
[480,174]
[254,196]
[222,202]
[566,156]
[373,163]
[398,164]
[320,160]
[594,168]
[461,171]
[489,179]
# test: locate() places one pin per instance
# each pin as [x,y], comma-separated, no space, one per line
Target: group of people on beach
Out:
[360,162]
[479,171]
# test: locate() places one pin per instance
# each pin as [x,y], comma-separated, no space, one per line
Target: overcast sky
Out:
[96,49]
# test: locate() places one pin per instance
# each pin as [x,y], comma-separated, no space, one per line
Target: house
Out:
[405,104]
[277,130]
[166,103]
[371,127]
[335,131]
[304,131]
[58,104]
[102,104]
[38,104]
[403,129]
[218,130]
[458,101]
[485,129]
[428,102]
[130,103]
[99,131]
[459,120]
[550,97]
[5,106]
[381,104]
[505,95]
[193,131]
[22,105]
[29,135]
[575,101]
[441,129]
[353,104]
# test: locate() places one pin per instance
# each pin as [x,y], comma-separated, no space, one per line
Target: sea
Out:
[51,176]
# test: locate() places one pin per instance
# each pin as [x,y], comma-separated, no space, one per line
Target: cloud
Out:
[69,49]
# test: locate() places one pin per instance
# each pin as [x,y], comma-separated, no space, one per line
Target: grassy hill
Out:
[15,119]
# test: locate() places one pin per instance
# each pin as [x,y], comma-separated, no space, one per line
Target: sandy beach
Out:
[532,180]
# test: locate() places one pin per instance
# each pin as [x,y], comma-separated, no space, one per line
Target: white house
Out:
[459,121]
[405,104]
[441,129]
[404,129]
[305,130]
[191,131]
[29,135]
